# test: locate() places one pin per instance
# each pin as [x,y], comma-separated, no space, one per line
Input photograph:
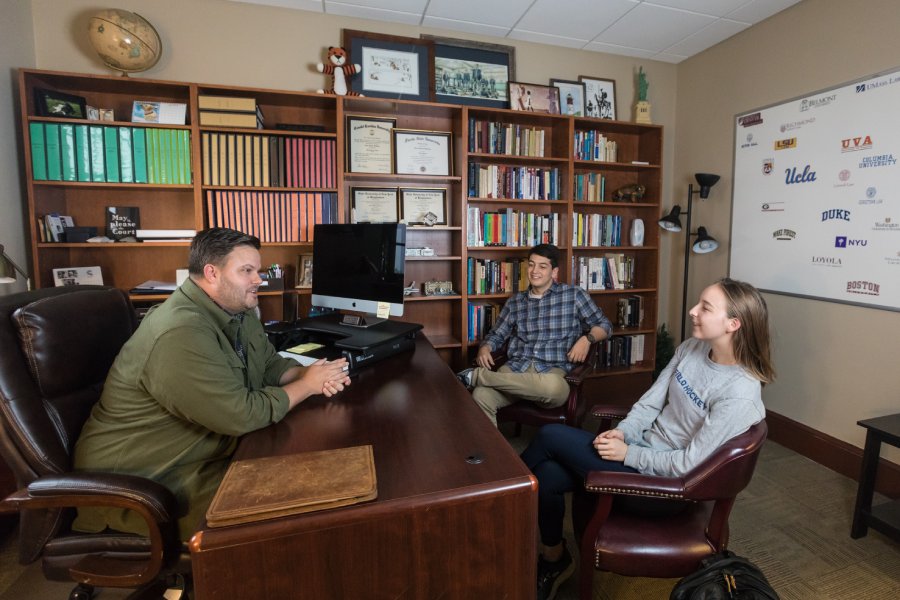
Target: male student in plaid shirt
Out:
[549,327]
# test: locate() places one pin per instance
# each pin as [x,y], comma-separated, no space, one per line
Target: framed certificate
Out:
[373,205]
[423,206]
[369,144]
[421,152]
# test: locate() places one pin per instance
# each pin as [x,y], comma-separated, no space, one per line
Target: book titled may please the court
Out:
[276,486]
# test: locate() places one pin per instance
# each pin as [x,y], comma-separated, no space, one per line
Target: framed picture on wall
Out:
[571,97]
[472,73]
[50,103]
[392,66]
[531,97]
[599,97]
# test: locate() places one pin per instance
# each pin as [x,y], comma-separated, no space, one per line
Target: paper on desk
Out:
[162,286]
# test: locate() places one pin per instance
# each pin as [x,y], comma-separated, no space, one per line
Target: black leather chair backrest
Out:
[58,347]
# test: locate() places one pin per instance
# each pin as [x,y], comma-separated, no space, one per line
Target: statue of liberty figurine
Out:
[643,84]
[642,108]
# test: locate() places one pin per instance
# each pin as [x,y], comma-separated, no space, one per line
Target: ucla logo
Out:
[792,176]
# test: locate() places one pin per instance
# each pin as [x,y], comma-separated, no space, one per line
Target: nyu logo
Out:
[843,241]
[792,176]
[857,143]
[836,213]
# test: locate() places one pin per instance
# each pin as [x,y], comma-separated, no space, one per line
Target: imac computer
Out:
[359,267]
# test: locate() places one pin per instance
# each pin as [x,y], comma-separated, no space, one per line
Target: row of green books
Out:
[98,153]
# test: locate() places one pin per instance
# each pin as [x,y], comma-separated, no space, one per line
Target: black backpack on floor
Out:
[724,576]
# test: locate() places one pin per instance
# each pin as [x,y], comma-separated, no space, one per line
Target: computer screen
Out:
[356,266]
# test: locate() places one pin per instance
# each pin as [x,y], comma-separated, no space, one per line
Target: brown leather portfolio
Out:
[276,486]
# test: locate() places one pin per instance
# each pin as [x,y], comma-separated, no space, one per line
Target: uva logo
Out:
[856,143]
[792,176]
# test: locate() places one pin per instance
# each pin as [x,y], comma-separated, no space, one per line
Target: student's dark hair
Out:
[547,251]
[751,340]
[212,247]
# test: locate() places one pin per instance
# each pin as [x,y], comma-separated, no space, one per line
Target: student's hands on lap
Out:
[484,358]
[610,445]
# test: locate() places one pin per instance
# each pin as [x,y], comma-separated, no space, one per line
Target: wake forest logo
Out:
[750,120]
[864,288]
[768,166]
[826,261]
[786,144]
[784,234]
[792,176]
[879,160]
[855,144]
[836,213]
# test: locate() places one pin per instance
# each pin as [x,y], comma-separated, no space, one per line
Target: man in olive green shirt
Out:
[198,373]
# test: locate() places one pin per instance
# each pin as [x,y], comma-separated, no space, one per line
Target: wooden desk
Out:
[442,527]
[886,516]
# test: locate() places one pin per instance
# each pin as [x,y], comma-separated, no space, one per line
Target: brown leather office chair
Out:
[57,346]
[623,540]
[534,415]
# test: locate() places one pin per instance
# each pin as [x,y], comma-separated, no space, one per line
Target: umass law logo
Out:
[842,241]
[792,175]
[836,213]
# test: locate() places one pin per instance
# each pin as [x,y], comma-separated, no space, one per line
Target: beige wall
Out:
[837,364]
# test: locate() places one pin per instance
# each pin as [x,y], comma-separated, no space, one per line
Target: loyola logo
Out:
[792,176]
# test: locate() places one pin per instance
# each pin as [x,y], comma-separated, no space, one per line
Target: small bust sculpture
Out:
[643,84]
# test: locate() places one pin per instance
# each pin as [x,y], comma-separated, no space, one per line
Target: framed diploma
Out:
[421,152]
[373,205]
[369,144]
[423,206]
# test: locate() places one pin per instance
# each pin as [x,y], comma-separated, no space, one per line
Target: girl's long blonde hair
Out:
[751,340]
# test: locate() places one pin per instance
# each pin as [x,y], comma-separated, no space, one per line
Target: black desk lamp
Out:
[704,244]
[8,270]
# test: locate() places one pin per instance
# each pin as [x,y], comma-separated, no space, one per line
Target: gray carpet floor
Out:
[793,521]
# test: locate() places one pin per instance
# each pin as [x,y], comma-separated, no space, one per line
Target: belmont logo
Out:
[870,198]
[750,143]
[773,207]
[880,160]
[865,288]
[784,234]
[886,225]
[856,144]
[843,241]
[786,144]
[836,213]
[792,176]
[768,166]
[750,120]
[796,124]
[826,261]
[808,103]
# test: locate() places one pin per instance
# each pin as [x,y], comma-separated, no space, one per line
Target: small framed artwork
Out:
[422,152]
[93,113]
[571,97]
[50,103]
[369,144]
[392,66]
[423,206]
[107,114]
[472,73]
[531,97]
[373,205]
[599,97]
[304,271]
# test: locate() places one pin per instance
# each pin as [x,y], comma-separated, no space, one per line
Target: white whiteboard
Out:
[816,199]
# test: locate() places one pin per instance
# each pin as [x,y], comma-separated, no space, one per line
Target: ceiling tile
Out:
[717,8]
[707,37]
[543,38]
[409,6]
[653,28]
[621,50]
[758,10]
[580,19]
[465,27]
[363,12]
[490,12]
[313,5]
[669,58]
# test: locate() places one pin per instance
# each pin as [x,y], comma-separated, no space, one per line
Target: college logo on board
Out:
[844,179]
[749,143]
[865,288]
[879,160]
[836,213]
[856,144]
[871,197]
[842,241]
[826,261]
[796,124]
[806,176]
[768,166]
[773,207]
[886,225]
[750,120]
[786,143]
[784,234]
[821,101]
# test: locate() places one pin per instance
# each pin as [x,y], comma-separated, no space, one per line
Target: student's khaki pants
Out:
[496,389]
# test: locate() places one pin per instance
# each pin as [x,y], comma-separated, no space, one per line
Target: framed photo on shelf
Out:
[370,144]
[571,97]
[531,97]
[423,206]
[472,73]
[373,205]
[392,66]
[422,152]
[599,97]
[304,271]
[50,103]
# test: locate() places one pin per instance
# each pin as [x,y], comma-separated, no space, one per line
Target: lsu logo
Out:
[786,144]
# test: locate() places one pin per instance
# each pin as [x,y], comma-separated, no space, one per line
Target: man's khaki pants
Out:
[496,389]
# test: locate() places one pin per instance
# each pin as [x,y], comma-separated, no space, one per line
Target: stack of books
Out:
[228,111]
[165,235]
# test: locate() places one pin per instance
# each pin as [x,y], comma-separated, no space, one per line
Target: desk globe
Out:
[125,41]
